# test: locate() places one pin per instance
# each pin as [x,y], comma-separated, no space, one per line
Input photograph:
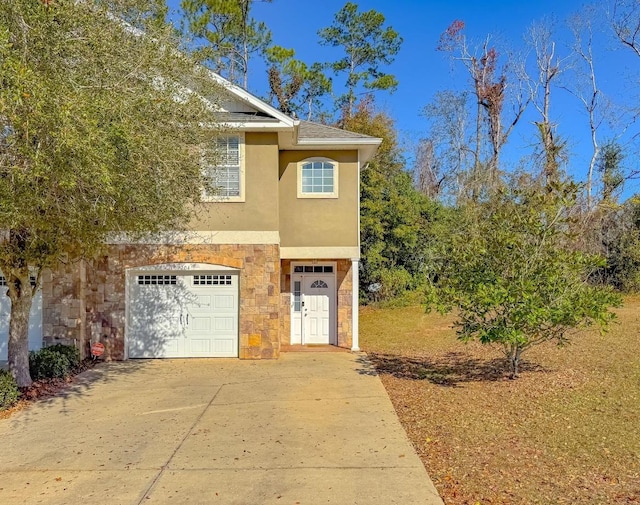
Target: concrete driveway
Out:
[310,428]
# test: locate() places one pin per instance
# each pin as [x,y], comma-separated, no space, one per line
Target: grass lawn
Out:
[566,432]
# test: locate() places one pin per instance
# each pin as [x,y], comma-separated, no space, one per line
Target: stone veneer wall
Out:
[63,306]
[285,302]
[97,294]
[344,281]
[344,278]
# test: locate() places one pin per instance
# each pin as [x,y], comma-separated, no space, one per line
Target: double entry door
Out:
[313,314]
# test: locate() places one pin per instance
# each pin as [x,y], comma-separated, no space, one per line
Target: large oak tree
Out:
[98,136]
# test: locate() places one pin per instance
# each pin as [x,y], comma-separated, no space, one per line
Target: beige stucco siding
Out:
[319,222]
[259,211]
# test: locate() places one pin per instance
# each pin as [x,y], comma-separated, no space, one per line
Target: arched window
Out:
[319,284]
[318,178]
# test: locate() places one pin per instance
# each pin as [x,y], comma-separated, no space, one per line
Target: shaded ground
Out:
[45,388]
[566,432]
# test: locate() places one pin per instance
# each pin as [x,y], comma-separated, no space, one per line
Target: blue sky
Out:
[422,71]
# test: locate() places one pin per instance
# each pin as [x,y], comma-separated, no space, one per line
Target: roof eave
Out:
[256,126]
[366,147]
[340,141]
[254,101]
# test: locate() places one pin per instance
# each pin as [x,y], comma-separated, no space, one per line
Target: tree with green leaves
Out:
[368,45]
[225,35]
[97,137]
[509,268]
[621,241]
[609,166]
[295,86]
[395,217]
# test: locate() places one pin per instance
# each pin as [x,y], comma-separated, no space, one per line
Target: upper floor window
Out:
[318,178]
[228,176]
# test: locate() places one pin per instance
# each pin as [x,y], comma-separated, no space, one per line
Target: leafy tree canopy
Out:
[395,217]
[295,85]
[98,136]
[225,35]
[367,46]
[508,266]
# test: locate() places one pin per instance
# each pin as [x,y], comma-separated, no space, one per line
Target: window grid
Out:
[157,280]
[297,296]
[211,280]
[327,269]
[317,177]
[32,279]
[226,176]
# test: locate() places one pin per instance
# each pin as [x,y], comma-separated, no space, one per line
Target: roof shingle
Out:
[311,130]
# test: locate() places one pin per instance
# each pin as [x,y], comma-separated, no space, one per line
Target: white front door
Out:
[313,318]
[318,299]
[183,315]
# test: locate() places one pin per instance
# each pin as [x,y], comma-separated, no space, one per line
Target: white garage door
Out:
[35,320]
[180,315]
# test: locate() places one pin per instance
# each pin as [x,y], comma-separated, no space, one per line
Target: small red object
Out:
[97,349]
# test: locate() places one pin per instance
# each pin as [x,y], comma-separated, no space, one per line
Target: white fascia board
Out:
[340,142]
[254,101]
[366,147]
[256,126]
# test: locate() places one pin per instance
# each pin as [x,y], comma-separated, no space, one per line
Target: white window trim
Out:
[336,178]
[241,198]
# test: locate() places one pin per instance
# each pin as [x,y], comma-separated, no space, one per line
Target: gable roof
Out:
[245,117]
[246,112]
[319,136]
[254,102]
[307,129]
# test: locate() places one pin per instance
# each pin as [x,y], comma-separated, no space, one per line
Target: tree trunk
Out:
[514,361]
[21,296]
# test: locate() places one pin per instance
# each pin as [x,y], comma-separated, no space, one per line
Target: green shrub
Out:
[51,362]
[70,351]
[8,390]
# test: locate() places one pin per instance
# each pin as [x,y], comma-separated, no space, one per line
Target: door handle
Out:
[181,319]
[187,319]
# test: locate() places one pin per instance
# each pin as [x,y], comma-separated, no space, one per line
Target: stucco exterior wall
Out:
[319,222]
[86,302]
[259,211]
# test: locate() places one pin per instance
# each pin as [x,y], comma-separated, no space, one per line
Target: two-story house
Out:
[270,260]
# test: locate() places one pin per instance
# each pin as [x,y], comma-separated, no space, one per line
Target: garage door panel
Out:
[5,309]
[192,316]
[200,346]
[222,324]
[170,348]
[224,302]
[200,324]
[225,347]
[200,302]
[156,300]
[35,321]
